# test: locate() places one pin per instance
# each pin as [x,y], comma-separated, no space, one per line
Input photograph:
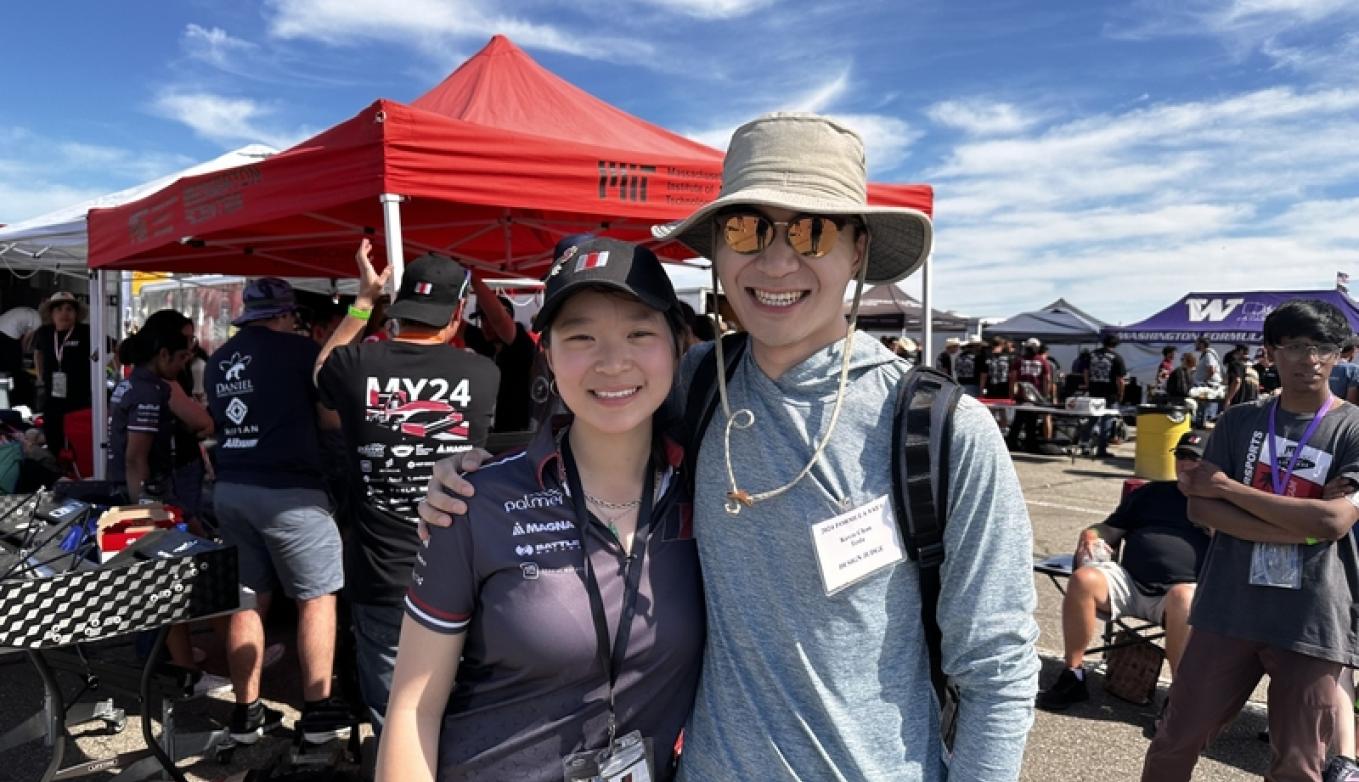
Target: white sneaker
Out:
[210,684]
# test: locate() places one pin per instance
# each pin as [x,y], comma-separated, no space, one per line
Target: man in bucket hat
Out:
[808,675]
[271,502]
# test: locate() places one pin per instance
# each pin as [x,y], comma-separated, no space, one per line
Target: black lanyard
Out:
[611,656]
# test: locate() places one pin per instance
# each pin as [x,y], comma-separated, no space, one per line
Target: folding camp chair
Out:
[1059,568]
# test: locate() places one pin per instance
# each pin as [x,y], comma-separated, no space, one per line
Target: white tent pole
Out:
[391,224]
[99,307]
[927,316]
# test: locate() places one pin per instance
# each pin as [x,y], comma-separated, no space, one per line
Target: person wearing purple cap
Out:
[271,502]
[562,615]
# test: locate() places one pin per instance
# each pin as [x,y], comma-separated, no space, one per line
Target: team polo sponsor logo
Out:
[373,450]
[549,498]
[535,527]
[234,443]
[530,570]
[365,465]
[426,408]
[236,411]
[232,383]
[551,547]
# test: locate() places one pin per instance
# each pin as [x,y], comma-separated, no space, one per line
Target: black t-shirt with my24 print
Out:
[402,407]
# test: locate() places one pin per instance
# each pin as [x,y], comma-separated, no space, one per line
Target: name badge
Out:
[58,385]
[857,544]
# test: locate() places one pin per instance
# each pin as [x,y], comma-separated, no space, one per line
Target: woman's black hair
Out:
[163,330]
[1311,319]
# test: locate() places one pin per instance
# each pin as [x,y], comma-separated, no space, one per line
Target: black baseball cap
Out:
[1191,444]
[432,287]
[596,262]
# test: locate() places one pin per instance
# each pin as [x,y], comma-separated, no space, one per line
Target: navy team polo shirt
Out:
[510,574]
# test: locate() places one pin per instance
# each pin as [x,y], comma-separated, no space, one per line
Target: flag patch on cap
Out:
[592,261]
[424,288]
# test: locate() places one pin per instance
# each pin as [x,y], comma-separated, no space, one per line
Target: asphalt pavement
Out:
[1103,739]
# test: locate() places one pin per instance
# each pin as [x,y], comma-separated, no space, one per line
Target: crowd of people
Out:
[643,590]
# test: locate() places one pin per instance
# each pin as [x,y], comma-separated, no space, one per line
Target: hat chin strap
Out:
[744,418]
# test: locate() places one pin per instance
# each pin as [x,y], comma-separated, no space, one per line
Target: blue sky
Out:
[1116,154]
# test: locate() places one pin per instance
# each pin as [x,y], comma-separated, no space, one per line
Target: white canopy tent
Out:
[58,242]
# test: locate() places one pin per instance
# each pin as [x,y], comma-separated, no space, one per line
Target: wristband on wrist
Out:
[358,314]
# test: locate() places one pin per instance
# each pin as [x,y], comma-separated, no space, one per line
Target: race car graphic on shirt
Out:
[433,419]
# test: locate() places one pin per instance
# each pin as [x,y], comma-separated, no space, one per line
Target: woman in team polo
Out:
[551,683]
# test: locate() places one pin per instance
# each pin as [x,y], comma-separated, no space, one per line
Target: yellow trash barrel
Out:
[1159,428]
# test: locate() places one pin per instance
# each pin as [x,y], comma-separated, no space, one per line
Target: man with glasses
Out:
[816,665]
[1275,593]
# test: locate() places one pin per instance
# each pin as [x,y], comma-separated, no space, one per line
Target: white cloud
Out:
[1120,211]
[39,174]
[214,46]
[431,25]
[981,118]
[711,9]
[226,120]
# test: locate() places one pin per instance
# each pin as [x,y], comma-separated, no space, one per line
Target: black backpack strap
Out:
[921,436]
[703,398]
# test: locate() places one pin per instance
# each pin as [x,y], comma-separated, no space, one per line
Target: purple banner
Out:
[1224,317]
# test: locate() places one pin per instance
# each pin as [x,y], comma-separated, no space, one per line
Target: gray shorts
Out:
[284,537]
[1126,598]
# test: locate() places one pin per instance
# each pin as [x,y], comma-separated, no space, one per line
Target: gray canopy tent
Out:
[1059,323]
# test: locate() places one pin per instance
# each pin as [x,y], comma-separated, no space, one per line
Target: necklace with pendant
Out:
[619,509]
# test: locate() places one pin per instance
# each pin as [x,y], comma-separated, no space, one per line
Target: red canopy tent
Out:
[492,167]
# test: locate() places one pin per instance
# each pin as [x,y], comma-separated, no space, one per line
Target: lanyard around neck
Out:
[1280,482]
[611,656]
[59,348]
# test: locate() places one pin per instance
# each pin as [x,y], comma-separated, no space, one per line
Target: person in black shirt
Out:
[997,371]
[1105,377]
[402,405]
[1153,579]
[965,368]
[141,418]
[506,341]
[141,431]
[945,361]
[272,505]
[1268,373]
[61,355]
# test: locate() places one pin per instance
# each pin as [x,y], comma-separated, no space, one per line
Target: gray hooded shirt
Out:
[798,685]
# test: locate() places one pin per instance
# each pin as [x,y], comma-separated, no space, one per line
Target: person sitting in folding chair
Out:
[1153,580]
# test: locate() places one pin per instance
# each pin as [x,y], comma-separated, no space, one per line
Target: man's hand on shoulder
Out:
[447,493]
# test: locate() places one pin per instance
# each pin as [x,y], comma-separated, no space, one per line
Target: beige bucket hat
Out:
[809,163]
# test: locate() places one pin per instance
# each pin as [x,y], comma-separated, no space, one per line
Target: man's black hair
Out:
[1312,319]
[1168,351]
[1110,341]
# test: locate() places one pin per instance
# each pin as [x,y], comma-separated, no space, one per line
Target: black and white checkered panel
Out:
[81,607]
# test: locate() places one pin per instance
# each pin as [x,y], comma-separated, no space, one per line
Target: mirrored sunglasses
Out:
[811,236]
